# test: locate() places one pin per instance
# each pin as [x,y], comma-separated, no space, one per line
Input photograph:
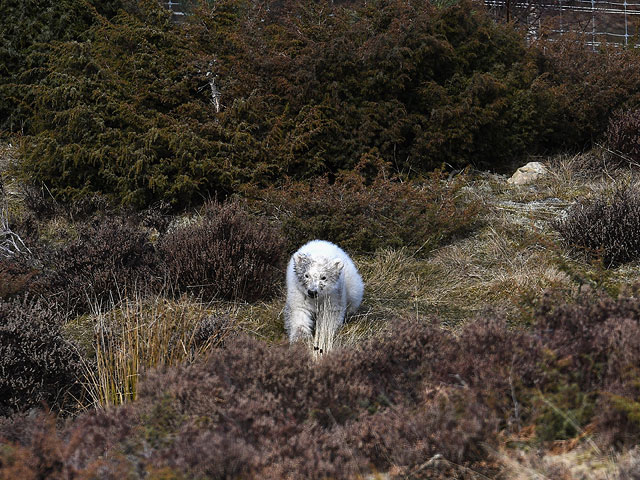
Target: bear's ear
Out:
[299,258]
[337,264]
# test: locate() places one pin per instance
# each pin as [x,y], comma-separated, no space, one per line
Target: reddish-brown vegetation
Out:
[226,253]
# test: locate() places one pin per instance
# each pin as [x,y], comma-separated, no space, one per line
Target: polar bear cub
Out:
[322,283]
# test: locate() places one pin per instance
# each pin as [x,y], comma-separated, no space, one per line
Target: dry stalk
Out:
[10,242]
[327,326]
[137,334]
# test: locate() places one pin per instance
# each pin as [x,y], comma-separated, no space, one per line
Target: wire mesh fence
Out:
[178,8]
[600,22]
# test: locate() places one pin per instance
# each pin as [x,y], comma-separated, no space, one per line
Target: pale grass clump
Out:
[496,268]
[359,328]
[263,320]
[580,461]
[137,334]
[572,176]
[8,155]
[396,286]
[396,283]
[568,177]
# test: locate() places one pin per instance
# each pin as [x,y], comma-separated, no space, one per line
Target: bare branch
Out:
[10,242]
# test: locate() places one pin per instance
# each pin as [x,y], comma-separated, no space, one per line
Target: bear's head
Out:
[316,276]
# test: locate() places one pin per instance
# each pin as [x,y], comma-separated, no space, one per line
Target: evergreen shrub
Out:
[307,89]
[362,214]
[588,88]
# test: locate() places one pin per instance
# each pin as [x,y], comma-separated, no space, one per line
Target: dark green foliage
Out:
[306,88]
[118,100]
[605,226]
[227,253]
[108,119]
[588,87]
[623,134]
[563,412]
[420,85]
[363,214]
[619,414]
[39,366]
[27,23]
[27,28]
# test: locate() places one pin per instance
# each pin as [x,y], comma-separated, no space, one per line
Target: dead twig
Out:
[10,242]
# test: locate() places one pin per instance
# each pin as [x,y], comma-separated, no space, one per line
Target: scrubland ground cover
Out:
[144,233]
[501,352]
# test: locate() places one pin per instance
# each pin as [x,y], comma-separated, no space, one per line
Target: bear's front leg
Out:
[299,323]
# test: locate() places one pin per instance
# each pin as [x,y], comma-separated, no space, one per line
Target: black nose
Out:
[312,293]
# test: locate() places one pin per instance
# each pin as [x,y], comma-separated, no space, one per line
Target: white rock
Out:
[529,173]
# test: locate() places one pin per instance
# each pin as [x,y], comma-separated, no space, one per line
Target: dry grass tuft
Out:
[499,267]
[325,335]
[137,334]
[8,156]
[263,320]
[394,284]
[581,462]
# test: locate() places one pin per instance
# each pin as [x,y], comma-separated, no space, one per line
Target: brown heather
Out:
[227,253]
[109,254]
[416,400]
[596,347]
[605,227]
[39,366]
[623,135]
[267,411]
[16,276]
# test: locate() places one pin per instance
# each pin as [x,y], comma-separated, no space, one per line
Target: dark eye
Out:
[323,278]
[306,275]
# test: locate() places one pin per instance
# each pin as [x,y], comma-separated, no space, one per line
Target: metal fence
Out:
[179,9]
[611,22]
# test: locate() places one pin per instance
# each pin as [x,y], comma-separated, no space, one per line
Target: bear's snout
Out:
[312,293]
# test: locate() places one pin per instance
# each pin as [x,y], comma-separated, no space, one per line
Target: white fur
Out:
[333,275]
